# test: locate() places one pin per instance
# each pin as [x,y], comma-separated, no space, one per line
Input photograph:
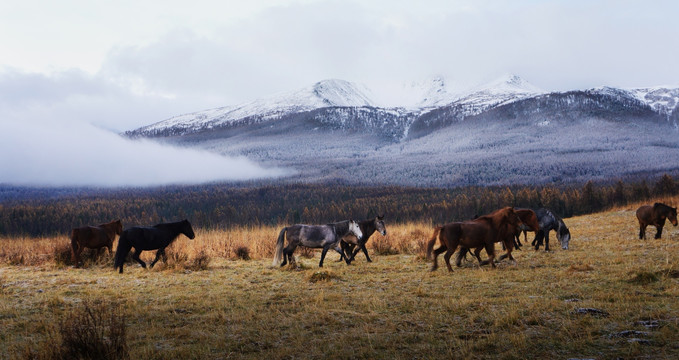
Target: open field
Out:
[391,308]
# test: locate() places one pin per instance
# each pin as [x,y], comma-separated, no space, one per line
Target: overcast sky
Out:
[118,65]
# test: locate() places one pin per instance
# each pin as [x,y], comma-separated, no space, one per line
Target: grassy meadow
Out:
[611,295]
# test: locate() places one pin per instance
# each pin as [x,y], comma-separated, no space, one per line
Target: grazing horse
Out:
[548,221]
[93,237]
[483,231]
[368,227]
[314,236]
[655,215]
[156,237]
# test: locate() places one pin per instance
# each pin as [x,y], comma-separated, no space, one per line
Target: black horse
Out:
[368,227]
[157,237]
[549,221]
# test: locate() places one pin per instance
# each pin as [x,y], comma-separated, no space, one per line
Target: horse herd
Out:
[349,237]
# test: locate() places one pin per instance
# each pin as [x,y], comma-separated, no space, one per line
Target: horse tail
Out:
[432,242]
[278,252]
[124,247]
[74,244]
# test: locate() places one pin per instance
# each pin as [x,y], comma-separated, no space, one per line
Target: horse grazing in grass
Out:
[549,221]
[93,237]
[314,236]
[483,231]
[655,215]
[368,227]
[156,237]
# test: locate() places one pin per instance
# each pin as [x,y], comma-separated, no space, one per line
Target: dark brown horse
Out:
[655,215]
[483,231]
[93,237]
[529,222]
[368,227]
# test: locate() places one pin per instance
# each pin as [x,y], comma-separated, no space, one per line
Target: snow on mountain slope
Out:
[506,89]
[663,99]
[327,93]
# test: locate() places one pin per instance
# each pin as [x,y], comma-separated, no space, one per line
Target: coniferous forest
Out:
[42,212]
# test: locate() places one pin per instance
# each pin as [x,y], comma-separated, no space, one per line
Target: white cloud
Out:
[80,154]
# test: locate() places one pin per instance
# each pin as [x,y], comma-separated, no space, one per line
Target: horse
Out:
[156,237]
[93,237]
[314,236]
[548,221]
[529,222]
[655,215]
[483,231]
[368,227]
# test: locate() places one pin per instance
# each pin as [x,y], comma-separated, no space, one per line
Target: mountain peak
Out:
[510,83]
[336,92]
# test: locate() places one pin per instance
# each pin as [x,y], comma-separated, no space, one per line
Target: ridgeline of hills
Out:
[506,132]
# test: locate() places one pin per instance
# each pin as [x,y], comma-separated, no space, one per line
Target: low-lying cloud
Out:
[77,154]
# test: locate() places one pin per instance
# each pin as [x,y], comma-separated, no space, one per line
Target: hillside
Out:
[504,132]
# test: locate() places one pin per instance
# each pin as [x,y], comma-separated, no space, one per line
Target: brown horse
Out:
[483,231]
[93,237]
[655,215]
[529,222]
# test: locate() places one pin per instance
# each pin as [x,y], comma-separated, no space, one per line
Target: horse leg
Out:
[365,251]
[477,254]
[325,250]
[447,256]
[539,235]
[547,240]
[343,256]
[490,250]
[77,255]
[658,234]
[346,249]
[159,253]
[438,252]
[642,232]
[135,256]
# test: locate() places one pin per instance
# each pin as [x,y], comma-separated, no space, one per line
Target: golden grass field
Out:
[391,308]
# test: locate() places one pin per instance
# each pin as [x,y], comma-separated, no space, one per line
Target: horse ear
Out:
[380,217]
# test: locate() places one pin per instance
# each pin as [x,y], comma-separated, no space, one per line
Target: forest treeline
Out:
[52,212]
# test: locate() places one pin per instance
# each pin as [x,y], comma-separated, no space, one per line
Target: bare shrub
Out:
[94,331]
[200,262]
[62,255]
[242,252]
[384,246]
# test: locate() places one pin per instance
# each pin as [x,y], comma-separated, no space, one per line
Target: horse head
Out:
[188,230]
[355,229]
[564,236]
[672,215]
[379,225]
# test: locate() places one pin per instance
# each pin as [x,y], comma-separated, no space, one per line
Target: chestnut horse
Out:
[529,222]
[93,237]
[483,231]
[655,215]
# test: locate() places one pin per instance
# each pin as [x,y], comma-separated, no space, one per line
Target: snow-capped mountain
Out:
[506,131]
[323,94]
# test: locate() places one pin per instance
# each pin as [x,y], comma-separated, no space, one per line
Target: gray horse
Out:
[548,221]
[314,236]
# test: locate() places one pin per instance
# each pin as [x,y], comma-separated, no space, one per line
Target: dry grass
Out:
[543,307]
